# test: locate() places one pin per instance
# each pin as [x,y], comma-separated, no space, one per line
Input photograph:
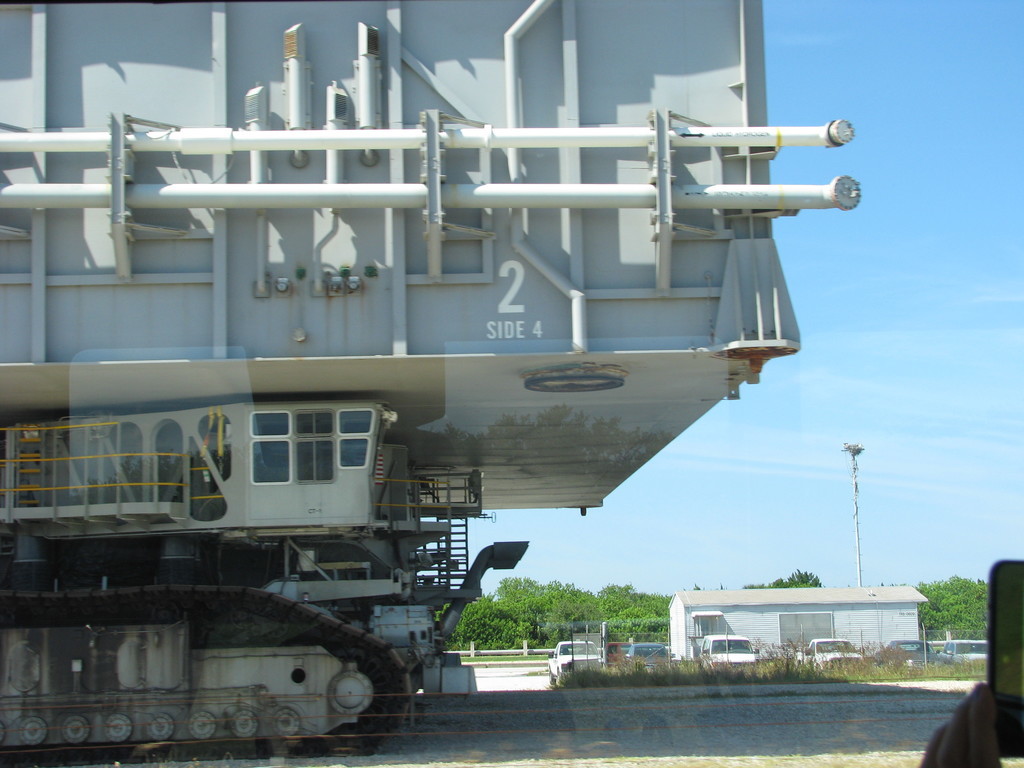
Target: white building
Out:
[866,616]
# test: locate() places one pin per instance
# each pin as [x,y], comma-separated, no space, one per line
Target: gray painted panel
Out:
[15,257]
[15,304]
[16,65]
[151,61]
[167,76]
[491,316]
[111,317]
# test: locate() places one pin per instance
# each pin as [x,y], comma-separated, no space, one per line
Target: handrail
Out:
[40,460]
[225,141]
[35,489]
[842,192]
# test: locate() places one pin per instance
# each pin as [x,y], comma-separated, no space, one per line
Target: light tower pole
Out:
[855,450]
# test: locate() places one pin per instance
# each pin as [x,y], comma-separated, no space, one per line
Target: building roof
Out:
[799,595]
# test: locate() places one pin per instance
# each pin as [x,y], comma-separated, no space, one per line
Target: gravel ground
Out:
[884,726]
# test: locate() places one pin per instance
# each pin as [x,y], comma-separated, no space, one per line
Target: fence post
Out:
[472,648]
[526,647]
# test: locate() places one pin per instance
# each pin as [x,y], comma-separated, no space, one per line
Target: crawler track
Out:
[219,620]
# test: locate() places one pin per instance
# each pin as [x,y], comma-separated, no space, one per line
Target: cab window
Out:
[314,447]
[271,459]
[353,451]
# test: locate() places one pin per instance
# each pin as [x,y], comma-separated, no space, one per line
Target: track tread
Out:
[198,603]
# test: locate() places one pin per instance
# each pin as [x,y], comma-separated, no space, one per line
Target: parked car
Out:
[829,651]
[914,653]
[965,650]
[649,654]
[726,649]
[614,652]
[570,655]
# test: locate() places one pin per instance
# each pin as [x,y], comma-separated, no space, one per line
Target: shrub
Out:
[778,669]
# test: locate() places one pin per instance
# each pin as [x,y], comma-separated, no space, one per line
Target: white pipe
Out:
[549,195]
[256,103]
[257,114]
[262,252]
[367,79]
[336,111]
[295,84]
[577,299]
[337,101]
[578,310]
[277,196]
[55,196]
[833,134]
[295,90]
[223,141]
[258,167]
[513,117]
[843,192]
[86,141]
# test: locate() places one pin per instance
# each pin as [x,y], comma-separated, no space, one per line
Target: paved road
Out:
[514,678]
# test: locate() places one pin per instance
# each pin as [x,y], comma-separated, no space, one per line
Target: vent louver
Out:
[373,41]
[293,42]
[341,106]
[255,106]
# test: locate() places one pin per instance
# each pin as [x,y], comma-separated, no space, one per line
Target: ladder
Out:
[448,497]
[445,562]
[27,455]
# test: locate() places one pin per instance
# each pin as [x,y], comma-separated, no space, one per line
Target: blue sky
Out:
[911,311]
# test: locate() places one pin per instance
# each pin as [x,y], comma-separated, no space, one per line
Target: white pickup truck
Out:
[828,650]
[572,654]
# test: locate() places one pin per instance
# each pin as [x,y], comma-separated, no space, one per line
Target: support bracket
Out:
[660,154]
[120,215]
[431,176]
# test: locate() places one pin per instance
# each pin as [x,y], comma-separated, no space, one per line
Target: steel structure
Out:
[282,319]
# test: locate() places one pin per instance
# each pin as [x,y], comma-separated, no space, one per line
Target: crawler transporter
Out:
[293,293]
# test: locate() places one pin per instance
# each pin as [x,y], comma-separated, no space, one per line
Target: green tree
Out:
[624,602]
[795,579]
[956,603]
[524,609]
[491,625]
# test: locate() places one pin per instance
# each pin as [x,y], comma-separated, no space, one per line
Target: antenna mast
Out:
[855,450]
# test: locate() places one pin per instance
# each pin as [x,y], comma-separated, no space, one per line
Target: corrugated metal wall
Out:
[866,625]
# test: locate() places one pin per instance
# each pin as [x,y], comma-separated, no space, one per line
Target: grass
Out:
[498,659]
[781,670]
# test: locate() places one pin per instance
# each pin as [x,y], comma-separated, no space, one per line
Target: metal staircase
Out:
[447,498]
[445,562]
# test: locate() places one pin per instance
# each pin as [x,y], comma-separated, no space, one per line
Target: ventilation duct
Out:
[339,108]
[368,77]
[296,79]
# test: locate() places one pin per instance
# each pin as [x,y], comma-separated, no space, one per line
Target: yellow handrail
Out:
[34,488]
[37,428]
[91,456]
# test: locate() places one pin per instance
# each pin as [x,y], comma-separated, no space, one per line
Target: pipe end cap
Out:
[840,132]
[845,192]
